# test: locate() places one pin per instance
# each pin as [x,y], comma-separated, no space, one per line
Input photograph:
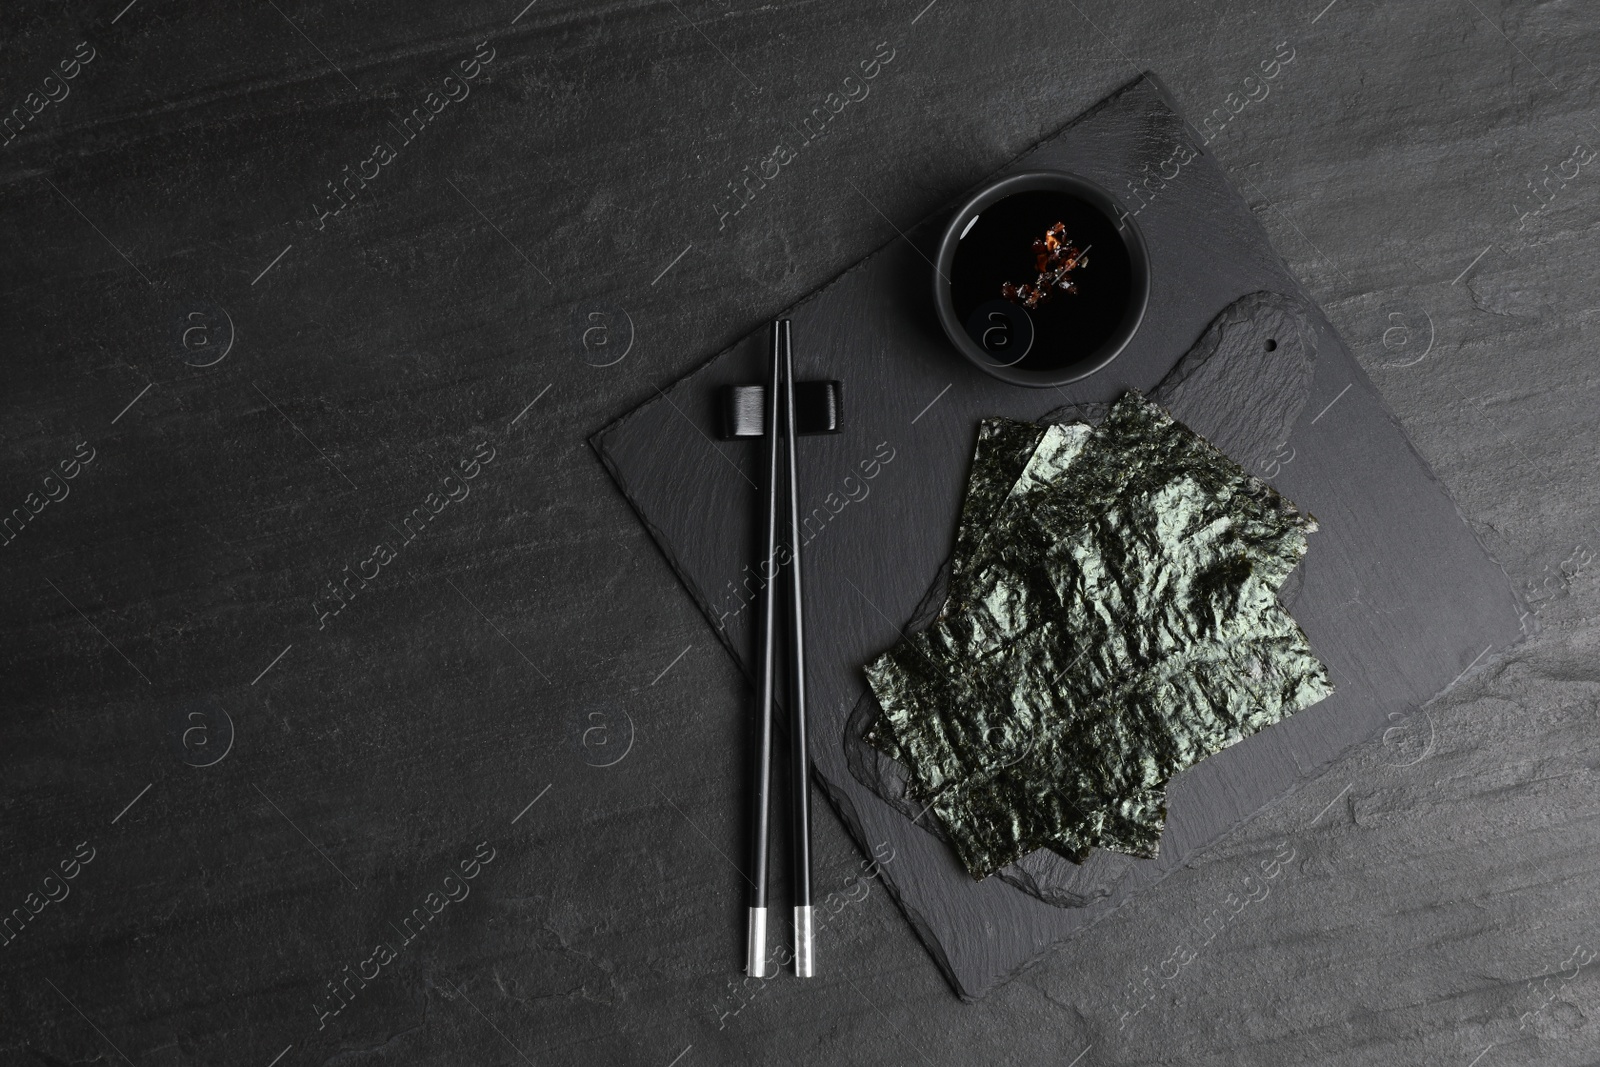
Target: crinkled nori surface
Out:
[1002,452]
[1112,619]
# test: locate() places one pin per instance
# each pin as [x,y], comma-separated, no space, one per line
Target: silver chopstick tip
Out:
[756,944]
[805,964]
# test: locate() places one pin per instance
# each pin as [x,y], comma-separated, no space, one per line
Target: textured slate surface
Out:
[1437,599]
[1440,880]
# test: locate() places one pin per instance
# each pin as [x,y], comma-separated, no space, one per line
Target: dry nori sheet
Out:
[1005,448]
[1148,471]
[1112,619]
[1003,451]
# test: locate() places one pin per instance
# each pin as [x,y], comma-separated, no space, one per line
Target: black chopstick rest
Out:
[819,408]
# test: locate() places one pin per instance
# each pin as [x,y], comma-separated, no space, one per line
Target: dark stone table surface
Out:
[350,716]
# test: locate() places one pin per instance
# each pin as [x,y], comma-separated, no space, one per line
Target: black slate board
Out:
[1397,594]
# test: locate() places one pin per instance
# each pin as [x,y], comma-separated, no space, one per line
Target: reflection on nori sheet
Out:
[1111,619]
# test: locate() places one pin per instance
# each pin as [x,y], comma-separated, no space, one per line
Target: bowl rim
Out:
[1132,239]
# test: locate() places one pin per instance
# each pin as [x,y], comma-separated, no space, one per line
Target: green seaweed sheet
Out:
[1002,453]
[1112,619]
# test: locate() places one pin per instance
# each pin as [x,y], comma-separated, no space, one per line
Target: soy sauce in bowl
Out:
[1042,280]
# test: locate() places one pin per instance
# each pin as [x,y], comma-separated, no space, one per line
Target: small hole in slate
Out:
[1272,346]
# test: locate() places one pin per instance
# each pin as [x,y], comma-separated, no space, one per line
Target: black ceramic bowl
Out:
[1067,335]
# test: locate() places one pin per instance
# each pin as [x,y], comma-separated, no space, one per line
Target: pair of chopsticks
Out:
[780,468]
